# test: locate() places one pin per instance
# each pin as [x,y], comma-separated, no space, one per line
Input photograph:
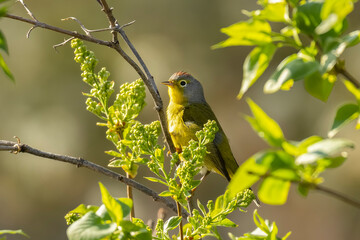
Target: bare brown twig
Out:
[17,147]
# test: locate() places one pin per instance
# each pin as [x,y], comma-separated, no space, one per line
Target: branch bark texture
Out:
[80,162]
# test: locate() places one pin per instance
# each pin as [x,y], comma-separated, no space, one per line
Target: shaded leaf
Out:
[291,68]
[319,86]
[3,44]
[255,64]
[6,69]
[344,115]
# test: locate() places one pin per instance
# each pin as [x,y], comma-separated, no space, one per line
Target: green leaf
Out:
[333,12]
[275,11]
[114,153]
[249,33]
[319,86]
[307,17]
[291,68]
[90,227]
[260,222]
[172,223]
[328,148]
[226,223]
[286,174]
[3,10]
[243,178]
[344,115]
[152,179]
[352,38]
[19,231]
[6,69]
[265,126]
[82,209]
[351,88]
[303,189]
[166,194]
[3,44]
[274,191]
[296,149]
[117,208]
[255,64]
[129,230]
[201,207]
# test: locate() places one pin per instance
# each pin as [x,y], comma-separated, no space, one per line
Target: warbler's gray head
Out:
[184,89]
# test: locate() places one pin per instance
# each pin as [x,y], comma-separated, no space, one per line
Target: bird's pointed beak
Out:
[169,83]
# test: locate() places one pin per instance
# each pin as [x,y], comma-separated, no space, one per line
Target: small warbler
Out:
[187,112]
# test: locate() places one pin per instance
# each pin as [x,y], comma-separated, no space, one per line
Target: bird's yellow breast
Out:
[180,133]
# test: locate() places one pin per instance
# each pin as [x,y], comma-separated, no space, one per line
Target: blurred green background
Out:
[45,109]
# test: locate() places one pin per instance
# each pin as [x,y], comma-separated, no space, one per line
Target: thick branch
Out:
[79,162]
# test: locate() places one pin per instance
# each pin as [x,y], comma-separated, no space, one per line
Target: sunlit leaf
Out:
[293,68]
[117,208]
[226,223]
[132,231]
[333,12]
[172,223]
[12,232]
[90,227]
[255,64]
[252,32]
[328,148]
[244,178]
[266,127]
[353,89]
[344,115]
[274,191]
[274,11]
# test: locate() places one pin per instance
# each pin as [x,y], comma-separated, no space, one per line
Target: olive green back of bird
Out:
[187,112]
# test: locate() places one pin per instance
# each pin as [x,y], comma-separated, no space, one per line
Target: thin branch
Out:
[347,75]
[332,193]
[60,30]
[17,147]
[180,225]
[28,10]
[147,78]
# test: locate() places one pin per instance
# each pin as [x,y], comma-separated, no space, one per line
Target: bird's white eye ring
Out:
[183,83]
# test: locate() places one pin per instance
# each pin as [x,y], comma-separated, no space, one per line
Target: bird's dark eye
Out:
[183,83]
